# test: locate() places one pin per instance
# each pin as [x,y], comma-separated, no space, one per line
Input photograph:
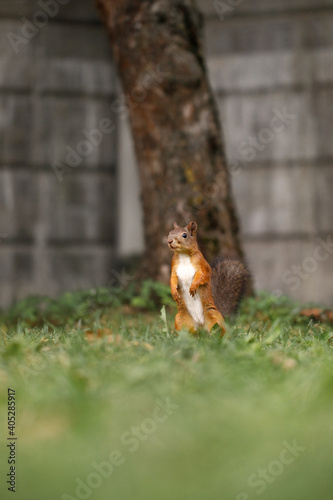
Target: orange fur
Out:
[200,285]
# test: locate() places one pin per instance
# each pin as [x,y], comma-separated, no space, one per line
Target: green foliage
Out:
[38,310]
[151,295]
[85,305]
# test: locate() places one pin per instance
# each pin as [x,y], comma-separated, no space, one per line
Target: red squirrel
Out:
[204,295]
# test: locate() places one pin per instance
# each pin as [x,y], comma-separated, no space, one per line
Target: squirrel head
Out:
[183,239]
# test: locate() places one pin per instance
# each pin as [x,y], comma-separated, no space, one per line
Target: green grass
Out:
[236,402]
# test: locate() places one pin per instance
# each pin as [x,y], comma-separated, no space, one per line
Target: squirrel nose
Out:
[170,241]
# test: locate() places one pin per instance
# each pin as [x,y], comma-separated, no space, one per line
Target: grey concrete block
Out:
[251,35]
[262,71]
[323,189]
[26,273]
[236,72]
[63,132]
[23,264]
[18,203]
[80,269]
[276,200]
[242,7]
[323,108]
[248,119]
[15,7]
[82,10]
[76,76]
[16,61]
[15,128]
[74,41]
[317,30]
[35,207]
[27,270]
[323,65]
[270,34]
[82,207]
[291,267]
[7,288]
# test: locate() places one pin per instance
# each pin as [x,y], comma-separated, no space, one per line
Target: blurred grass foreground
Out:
[110,403]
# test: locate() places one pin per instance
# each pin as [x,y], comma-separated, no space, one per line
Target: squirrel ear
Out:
[192,228]
[175,225]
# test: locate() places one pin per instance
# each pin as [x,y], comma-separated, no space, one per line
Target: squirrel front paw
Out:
[175,295]
[193,290]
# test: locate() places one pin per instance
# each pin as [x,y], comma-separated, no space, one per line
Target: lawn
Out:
[111,404]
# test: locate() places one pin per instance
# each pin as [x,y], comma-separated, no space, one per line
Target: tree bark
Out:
[157,46]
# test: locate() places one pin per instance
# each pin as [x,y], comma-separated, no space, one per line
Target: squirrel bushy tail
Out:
[229,282]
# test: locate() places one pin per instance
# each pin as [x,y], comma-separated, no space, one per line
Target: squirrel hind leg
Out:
[184,321]
[212,318]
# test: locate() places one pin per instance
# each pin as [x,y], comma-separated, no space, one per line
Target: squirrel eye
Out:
[184,235]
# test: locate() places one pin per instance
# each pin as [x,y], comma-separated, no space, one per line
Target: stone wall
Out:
[269,60]
[58,232]
[270,65]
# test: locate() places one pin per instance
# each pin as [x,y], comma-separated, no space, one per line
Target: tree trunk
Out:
[158,50]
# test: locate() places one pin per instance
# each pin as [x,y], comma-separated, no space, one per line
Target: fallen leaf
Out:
[323,315]
[100,333]
[314,313]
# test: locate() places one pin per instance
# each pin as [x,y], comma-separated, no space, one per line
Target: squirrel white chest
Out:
[185,273]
